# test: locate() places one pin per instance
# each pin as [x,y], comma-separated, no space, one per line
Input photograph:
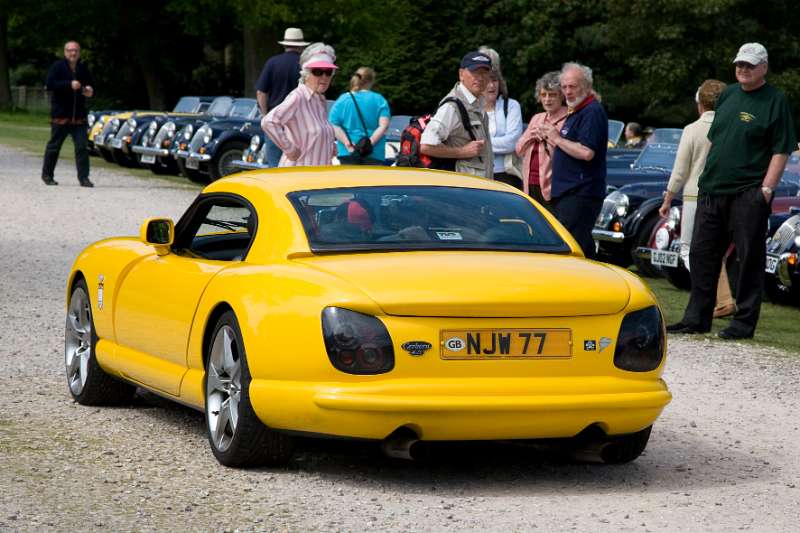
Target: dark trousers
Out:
[720,219]
[59,132]
[578,215]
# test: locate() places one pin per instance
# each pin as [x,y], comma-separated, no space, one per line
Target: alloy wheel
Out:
[223,388]
[78,345]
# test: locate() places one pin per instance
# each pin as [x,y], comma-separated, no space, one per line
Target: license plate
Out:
[98,140]
[506,344]
[662,258]
[148,159]
[116,143]
[192,163]
[772,263]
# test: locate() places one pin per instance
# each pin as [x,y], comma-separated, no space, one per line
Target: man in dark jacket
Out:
[70,83]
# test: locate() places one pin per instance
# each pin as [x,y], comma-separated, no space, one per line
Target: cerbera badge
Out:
[416,348]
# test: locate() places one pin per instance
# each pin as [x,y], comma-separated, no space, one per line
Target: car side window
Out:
[221,229]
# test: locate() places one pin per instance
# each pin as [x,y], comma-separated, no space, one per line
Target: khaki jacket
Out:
[691,157]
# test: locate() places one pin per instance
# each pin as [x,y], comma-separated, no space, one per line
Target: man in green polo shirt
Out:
[751,138]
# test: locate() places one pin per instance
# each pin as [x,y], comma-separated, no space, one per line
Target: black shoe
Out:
[680,327]
[733,334]
[87,183]
[49,181]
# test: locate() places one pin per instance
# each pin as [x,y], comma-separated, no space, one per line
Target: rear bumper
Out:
[463,409]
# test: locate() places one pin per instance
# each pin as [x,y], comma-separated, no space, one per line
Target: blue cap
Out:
[475,60]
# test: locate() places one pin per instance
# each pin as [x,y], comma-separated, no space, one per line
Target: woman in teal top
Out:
[351,129]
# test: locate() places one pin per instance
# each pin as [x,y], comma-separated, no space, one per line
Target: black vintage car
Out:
[217,143]
[153,145]
[119,143]
[782,282]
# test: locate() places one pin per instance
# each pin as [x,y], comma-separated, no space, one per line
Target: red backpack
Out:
[410,155]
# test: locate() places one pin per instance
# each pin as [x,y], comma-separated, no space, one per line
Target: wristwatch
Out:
[769,190]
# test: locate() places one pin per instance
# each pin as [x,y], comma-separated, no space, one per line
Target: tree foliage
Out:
[648,56]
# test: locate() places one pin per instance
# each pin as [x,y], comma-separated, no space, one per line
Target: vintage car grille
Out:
[124,131]
[784,237]
[606,213]
[107,132]
[197,140]
[161,136]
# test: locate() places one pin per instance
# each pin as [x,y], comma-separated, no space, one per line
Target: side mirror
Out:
[158,233]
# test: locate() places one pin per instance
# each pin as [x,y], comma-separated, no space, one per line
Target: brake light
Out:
[356,343]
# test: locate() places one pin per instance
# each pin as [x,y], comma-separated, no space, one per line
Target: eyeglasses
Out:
[318,72]
[73,49]
[744,65]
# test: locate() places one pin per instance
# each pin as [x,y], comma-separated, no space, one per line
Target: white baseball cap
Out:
[753,53]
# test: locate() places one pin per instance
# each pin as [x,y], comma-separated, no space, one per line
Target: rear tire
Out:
[220,166]
[236,435]
[642,238]
[87,382]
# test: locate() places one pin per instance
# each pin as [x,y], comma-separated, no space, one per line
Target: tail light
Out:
[356,343]
[640,343]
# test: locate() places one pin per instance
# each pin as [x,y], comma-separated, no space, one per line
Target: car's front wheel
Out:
[87,382]
[642,238]
[237,436]
[222,165]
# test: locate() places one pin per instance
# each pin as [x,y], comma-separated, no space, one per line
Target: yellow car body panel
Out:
[157,313]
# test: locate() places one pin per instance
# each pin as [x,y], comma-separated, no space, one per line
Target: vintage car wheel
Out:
[237,436]
[123,159]
[169,167]
[87,382]
[679,277]
[106,154]
[642,238]
[222,164]
[777,292]
[194,175]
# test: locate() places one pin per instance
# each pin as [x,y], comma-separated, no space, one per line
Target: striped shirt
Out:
[300,122]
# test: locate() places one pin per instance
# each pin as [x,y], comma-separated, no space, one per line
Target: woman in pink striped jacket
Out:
[299,125]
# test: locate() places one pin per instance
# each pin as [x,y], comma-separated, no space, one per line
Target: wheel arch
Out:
[208,329]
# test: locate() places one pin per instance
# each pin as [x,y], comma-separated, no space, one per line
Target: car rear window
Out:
[422,218]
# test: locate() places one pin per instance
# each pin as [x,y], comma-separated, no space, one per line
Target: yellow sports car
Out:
[400,305]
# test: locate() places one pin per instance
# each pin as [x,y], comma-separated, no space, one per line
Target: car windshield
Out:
[656,156]
[423,218]
[242,108]
[221,106]
[187,104]
[666,135]
[615,128]
[396,126]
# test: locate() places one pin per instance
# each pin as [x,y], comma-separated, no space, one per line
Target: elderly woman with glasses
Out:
[299,125]
[533,147]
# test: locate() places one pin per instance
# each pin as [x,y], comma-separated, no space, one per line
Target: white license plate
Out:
[116,143]
[194,164]
[663,258]
[772,263]
[148,159]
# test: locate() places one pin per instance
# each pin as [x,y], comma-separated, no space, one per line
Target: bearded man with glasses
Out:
[751,138]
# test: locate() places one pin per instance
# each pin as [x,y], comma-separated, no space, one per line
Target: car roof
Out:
[286,180]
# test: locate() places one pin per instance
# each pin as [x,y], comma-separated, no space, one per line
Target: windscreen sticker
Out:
[449,236]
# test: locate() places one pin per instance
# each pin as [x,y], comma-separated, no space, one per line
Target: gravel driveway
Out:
[723,456]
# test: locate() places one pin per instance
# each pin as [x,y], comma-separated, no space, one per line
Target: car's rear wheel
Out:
[222,164]
[237,436]
[642,238]
[88,383]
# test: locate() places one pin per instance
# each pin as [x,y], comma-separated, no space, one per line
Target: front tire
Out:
[236,435]
[221,165]
[87,382]
[642,238]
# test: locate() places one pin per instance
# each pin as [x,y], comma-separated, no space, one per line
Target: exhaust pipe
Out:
[404,444]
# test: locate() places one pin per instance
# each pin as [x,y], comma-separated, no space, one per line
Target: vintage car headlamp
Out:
[114,125]
[356,343]
[641,339]
[662,238]
[153,127]
[797,242]
[621,202]
[169,129]
[255,142]
[90,119]
[132,123]
[206,138]
[188,131]
[674,218]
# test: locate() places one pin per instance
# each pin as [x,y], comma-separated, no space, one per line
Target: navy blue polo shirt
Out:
[279,77]
[588,126]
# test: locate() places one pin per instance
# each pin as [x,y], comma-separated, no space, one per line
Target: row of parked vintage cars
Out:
[205,138]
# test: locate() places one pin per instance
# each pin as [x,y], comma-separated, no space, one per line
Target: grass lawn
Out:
[31,131]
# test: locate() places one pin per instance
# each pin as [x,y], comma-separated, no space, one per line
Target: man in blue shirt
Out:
[278,78]
[579,157]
